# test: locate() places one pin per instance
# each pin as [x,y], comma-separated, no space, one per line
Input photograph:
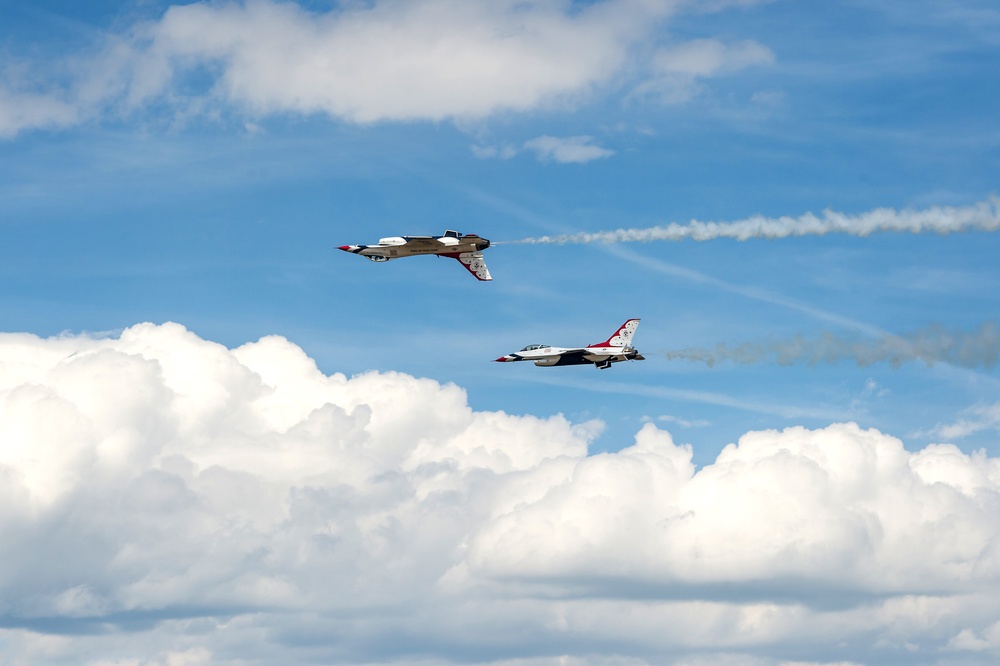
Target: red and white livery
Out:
[466,249]
[601,354]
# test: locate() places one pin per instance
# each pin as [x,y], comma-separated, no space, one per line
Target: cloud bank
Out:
[165,499]
[982,216]
[366,62]
[932,344]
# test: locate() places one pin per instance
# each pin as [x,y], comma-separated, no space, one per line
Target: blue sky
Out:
[199,163]
[159,214]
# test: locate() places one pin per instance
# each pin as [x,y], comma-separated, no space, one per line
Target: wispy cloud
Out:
[976,419]
[932,344]
[741,289]
[748,404]
[21,110]
[564,150]
[504,152]
[682,422]
[677,69]
[981,216]
[570,149]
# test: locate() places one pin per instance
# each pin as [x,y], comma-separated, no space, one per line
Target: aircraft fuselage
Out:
[466,249]
[615,349]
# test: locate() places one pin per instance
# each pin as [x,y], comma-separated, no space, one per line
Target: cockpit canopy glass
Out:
[532,347]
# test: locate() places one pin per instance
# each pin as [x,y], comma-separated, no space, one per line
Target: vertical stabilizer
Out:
[622,337]
[473,262]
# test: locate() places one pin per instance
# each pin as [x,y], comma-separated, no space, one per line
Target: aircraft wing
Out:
[573,357]
[604,352]
[473,262]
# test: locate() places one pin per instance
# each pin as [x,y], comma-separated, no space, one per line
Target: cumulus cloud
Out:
[367,62]
[165,499]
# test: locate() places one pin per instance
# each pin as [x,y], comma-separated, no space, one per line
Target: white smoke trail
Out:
[982,216]
[932,344]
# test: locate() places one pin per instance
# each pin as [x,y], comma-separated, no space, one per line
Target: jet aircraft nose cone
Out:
[345,248]
[502,359]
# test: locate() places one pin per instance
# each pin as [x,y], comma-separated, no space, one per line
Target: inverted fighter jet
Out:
[602,354]
[467,249]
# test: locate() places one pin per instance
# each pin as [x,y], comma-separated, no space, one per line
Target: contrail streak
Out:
[982,216]
[932,344]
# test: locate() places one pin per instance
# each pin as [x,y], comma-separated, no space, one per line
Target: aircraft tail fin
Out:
[622,337]
[473,262]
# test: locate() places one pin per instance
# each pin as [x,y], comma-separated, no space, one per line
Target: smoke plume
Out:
[982,216]
[932,344]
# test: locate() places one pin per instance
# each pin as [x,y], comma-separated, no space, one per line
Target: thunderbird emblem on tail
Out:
[466,249]
[602,354]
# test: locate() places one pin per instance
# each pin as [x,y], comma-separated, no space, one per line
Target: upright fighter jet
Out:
[466,249]
[602,354]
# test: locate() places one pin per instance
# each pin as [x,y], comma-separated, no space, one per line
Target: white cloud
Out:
[706,57]
[565,150]
[975,419]
[678,68]
[27,110]
[570,149]
[197,500]
[682,422]
[504,152]
[972,641]
[387,60]
[369,62]
[795,505]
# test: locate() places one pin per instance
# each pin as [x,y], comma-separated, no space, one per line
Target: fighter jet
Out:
[602,354]
[467,249]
